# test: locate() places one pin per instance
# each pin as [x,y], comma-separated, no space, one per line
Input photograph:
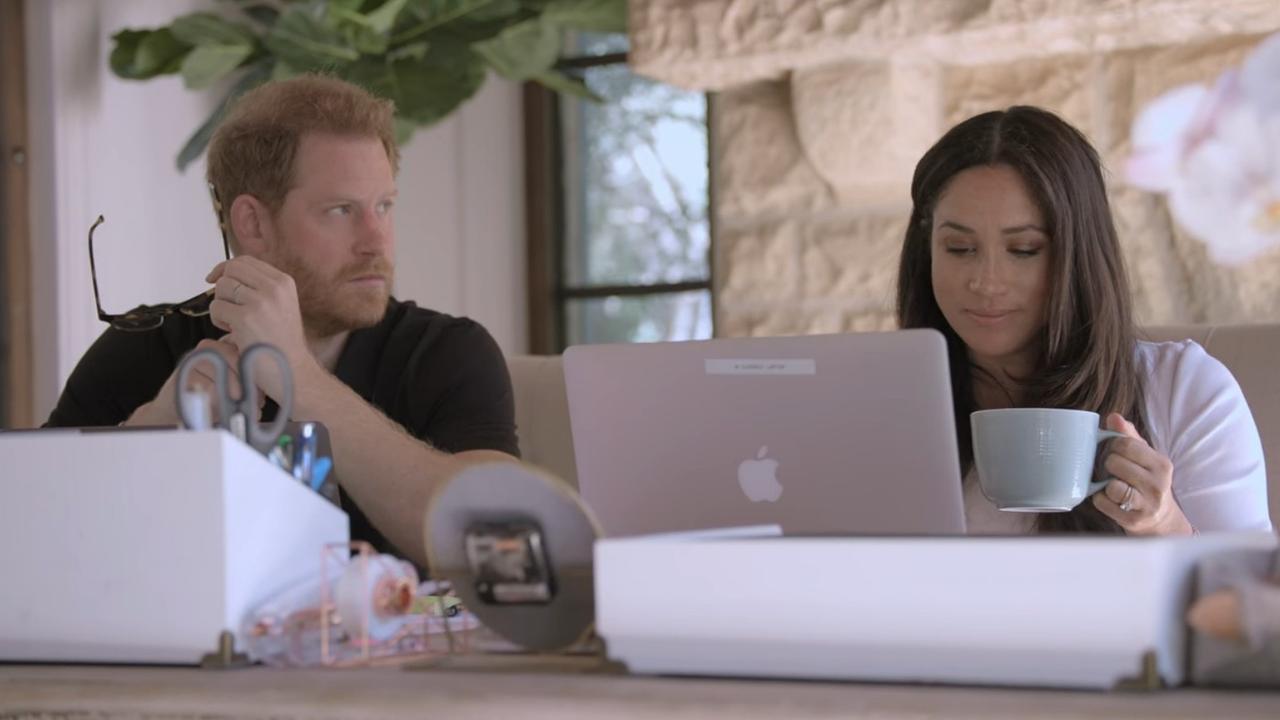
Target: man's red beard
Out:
[327,310]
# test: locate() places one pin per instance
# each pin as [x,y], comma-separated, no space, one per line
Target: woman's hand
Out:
[1140,495]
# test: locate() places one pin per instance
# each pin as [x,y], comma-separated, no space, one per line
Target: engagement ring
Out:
[1127,503]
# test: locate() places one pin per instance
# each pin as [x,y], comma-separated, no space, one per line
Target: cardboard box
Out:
[143,546]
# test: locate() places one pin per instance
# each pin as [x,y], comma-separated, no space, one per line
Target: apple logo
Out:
[759,477]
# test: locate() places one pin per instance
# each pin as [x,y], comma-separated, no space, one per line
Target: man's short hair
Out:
[252,151]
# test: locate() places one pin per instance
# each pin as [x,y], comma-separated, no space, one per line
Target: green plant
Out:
[429,56]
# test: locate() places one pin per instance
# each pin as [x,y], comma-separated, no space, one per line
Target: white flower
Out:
[1160,134]
[1216,154]
[1260,77]
[1228,190]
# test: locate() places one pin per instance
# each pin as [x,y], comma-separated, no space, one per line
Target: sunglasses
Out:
[150,317]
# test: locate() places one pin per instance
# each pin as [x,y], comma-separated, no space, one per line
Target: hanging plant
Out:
[428,56]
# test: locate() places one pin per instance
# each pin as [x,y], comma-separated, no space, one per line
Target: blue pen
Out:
[319,472]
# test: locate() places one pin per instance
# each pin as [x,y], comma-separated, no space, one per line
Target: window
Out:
[620,235]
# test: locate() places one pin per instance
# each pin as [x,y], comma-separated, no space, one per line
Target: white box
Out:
[143,546]
[1034,611]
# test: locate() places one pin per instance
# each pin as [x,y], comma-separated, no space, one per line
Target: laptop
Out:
[819,434]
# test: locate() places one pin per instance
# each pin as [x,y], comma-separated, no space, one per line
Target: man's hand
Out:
[163,409]
[256,303]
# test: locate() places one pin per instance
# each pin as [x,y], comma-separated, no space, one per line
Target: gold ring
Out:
[235,294]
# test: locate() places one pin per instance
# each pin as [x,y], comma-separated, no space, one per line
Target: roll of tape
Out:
[501,492]
[373,595]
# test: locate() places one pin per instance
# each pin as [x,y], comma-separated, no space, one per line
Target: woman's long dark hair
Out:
[1087,353]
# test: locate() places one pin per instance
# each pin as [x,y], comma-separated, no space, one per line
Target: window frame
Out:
[549,292]
[17,403]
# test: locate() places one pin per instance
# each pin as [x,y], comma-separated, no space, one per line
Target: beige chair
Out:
[542,414]
[1249,351]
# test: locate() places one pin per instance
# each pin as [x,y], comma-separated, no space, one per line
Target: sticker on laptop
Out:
[756,366]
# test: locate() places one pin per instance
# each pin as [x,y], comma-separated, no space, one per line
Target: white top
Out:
[1197,417]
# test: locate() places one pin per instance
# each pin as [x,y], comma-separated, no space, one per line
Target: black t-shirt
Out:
[442,378]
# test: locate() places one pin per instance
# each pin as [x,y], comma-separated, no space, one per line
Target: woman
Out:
[1012,254]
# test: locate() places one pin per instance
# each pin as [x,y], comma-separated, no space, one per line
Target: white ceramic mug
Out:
[1037,459]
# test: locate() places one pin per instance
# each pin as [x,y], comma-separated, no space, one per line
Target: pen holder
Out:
[144,546]
[304,451]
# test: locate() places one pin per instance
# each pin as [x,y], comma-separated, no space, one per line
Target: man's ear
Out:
[251,223]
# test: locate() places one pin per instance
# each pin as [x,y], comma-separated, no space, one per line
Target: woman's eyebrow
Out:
[957,226]
[1011,230]
[1023,228]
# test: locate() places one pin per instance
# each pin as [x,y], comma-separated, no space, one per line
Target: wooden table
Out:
[74,692]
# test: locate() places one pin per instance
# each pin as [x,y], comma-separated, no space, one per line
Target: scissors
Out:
[239,415]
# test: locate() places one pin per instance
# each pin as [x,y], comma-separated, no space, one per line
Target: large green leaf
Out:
[412,51]
[380,20]
[404,130]
[256,74]
[431,88]
[486,22]
[305,42]
[144,54]
[434,86]
[283,71]
[208,64]
[431,14]
[209,29]
[122,53]
[373,75]
[496,10]
[349,5]
[364,39]
[160,53]
[427,89]
[606,16]
[445,10]
[566,84]
[522,50]
[369,33]
[384,18]
[263,13]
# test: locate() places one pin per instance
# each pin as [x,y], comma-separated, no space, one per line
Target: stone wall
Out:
[823,107]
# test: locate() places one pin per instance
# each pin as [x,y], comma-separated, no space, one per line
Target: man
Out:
[305,172]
